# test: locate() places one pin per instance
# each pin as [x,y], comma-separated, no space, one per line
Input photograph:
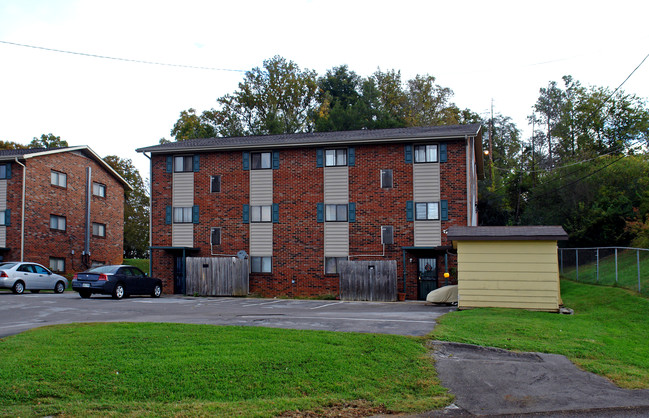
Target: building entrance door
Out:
[179,275]
[427,277]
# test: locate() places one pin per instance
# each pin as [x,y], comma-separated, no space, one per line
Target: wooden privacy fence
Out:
[217,276]
[368,280]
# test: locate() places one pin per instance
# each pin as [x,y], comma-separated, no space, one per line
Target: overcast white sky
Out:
[482,50]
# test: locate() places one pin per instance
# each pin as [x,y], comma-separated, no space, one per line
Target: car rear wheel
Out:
[119,292]
[85,294]
[18,288]
[157,291]
[59,288]
[34,291]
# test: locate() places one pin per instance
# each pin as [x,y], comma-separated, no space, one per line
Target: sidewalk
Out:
[492,381]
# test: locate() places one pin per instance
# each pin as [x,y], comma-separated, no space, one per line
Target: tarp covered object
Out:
[446,294]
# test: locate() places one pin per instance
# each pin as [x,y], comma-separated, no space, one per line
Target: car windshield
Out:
[7,265]
[103,269]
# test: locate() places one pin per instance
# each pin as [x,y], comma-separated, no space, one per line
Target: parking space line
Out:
[338,319]
[260,304]
[325,305]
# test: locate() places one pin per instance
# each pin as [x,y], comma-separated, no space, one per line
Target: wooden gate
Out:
[368,280]
[217,276]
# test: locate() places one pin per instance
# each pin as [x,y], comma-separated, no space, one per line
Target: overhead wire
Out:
[195,67]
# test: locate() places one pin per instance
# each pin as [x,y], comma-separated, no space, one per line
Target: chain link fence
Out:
[613,266]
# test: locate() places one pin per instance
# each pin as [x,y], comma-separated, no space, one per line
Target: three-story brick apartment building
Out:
[300,203]
[60,207]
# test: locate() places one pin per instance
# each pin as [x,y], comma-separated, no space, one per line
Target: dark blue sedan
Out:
[117,281]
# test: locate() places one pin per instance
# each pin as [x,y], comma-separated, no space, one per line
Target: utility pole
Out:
[533,156]
[491,141]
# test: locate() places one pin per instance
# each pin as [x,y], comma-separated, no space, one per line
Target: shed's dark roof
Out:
[506,233]
[318,138]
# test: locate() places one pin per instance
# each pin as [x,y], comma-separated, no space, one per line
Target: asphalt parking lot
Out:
[416,318]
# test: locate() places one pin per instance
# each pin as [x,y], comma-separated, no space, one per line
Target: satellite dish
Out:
[242,255]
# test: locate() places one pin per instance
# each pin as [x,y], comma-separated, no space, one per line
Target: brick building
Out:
[298,204]
[60,207]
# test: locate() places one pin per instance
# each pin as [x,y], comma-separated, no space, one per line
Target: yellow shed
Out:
[508,266]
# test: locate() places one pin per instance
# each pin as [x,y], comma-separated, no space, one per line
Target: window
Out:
[426,154]
[331,264]
[3,217]
[59,179]
[261,264]
[183,163]
[40,269]
[99,189]
[335,157]
[387,235]
[260,213]
[260,160]
[183,215]
[57,222]
[427,211]
[215,184]
[386,179]
[5,171]
[216,236]
[98,230]
[336,213]
[57,264]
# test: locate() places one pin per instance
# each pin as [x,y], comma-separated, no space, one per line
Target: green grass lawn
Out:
[627,265]
[138,369]
[608,334]
[141,263]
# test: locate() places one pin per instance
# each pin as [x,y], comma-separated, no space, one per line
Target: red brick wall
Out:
[298,248]
[43,199]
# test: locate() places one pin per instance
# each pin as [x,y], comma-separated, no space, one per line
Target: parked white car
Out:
[20,276]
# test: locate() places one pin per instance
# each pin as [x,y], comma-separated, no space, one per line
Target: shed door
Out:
[427,277]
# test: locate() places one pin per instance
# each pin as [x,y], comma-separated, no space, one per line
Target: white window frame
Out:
[183,163]
[265,160]
[212,178]
[212,236]
[426,153]
[98,189]
[260,214]
[98,229]
[183,215]
[59,179]
[261,264]
[57,264]
[336,157]
[427,211]
[333,212]
[57,225]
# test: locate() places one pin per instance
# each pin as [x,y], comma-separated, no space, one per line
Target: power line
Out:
[122,59]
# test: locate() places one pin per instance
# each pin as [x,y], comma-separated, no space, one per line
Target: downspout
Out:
[150,213]
[86,240]
[22,217]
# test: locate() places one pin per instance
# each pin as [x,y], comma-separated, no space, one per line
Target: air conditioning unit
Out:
[387,235]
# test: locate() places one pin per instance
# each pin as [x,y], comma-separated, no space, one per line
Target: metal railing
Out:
[616,266]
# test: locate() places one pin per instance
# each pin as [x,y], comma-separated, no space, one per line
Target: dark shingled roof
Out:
[19,152]
[318,138]
[506,233]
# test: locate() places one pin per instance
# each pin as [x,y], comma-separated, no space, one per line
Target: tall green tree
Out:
[48,141]
[136,208]
[190,126]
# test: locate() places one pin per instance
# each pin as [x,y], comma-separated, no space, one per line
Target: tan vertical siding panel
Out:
[3,194]
[3,236]
[261,187]
[261,239]
[426,182]
[336,185]
[182,235]
[428,233]
[336,239]
[183,189]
